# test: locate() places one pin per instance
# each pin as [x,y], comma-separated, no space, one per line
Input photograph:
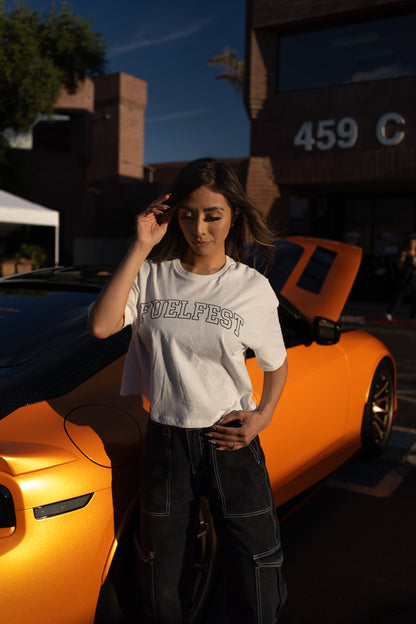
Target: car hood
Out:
[322,278]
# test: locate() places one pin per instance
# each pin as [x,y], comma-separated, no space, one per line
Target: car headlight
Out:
[61,507]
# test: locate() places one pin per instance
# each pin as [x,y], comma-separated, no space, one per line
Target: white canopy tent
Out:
[14,209]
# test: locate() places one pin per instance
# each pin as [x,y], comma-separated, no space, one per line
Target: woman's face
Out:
[205,219]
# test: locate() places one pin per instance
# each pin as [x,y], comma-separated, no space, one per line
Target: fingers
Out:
[225,445]
[227,438]
[233,431]
[152,223]
[157,207]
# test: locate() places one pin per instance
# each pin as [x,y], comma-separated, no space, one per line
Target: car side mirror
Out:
[325,331]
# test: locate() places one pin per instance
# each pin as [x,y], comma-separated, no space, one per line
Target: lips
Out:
[200,244]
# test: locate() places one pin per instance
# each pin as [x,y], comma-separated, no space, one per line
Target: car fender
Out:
[363,353]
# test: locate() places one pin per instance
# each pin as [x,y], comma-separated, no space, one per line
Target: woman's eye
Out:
[190,215]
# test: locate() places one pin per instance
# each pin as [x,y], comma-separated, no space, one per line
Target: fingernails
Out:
[215,443]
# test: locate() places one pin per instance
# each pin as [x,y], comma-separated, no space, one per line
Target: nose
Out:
[199,225]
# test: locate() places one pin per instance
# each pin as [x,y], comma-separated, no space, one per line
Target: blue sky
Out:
[189,113]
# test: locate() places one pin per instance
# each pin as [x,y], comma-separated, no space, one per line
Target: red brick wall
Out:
[82,100]
[133,101]
[288,13]
[95,178]
[261,183]
[275,127]
[118,127]
[165,173]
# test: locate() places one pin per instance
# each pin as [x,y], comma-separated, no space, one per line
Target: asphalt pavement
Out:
[350,550]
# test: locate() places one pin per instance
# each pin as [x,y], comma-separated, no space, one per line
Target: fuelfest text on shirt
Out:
[196,311]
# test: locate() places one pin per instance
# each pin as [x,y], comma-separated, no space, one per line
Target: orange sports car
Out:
[70,445]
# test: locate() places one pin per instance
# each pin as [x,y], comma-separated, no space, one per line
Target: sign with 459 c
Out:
[328,133]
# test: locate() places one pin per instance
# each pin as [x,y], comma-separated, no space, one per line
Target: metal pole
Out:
[57,244]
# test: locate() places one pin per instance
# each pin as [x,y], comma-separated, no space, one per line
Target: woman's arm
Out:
[106,316]
[251,423]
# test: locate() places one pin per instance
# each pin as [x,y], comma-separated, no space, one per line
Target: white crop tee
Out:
[190,334]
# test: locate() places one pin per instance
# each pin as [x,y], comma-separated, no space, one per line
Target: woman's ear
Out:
[236,212]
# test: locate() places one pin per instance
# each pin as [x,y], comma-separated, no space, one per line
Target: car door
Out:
[309,423]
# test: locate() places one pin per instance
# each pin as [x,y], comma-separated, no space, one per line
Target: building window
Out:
[356,53]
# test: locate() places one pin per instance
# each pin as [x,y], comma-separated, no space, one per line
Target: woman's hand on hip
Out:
[237,429]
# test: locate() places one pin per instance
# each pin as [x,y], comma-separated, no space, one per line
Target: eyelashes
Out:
[189,217]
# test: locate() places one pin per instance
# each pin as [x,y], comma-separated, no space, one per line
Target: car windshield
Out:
[35,321]
[45,347]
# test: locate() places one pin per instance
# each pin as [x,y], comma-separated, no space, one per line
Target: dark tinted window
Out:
[45,347]
[316,270]
[35,321]
[354,53]
[295,328]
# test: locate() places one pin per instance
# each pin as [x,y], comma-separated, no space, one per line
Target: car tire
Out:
[379,410]
[205,562]
[118,599]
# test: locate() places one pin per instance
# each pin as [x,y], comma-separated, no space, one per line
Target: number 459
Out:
[328,133]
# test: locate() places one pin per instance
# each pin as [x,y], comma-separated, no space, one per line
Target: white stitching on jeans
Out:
[148,561]
[248,514]
[258,593]
[254,451]
[257,572]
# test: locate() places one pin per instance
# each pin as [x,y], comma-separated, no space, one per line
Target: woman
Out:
[407,280]
[195,310]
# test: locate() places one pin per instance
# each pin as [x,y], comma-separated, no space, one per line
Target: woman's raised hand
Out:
[106,316]
[151,225]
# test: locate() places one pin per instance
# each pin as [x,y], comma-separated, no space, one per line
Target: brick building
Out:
[88,165]
[331,89]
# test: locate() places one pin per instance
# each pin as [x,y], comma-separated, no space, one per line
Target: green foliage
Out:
[5,169]
[233,68]
[39,54]
[36,253]
[73,46]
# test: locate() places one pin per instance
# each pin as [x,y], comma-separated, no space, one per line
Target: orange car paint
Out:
[333,295]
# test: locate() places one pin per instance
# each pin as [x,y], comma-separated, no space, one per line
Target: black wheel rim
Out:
[382,407]
[204,564]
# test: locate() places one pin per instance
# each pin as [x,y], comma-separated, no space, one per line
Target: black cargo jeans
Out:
[178,467]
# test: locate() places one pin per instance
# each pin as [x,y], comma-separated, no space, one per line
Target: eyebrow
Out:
[204,210]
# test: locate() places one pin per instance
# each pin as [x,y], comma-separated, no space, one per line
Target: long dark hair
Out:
[249,224]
